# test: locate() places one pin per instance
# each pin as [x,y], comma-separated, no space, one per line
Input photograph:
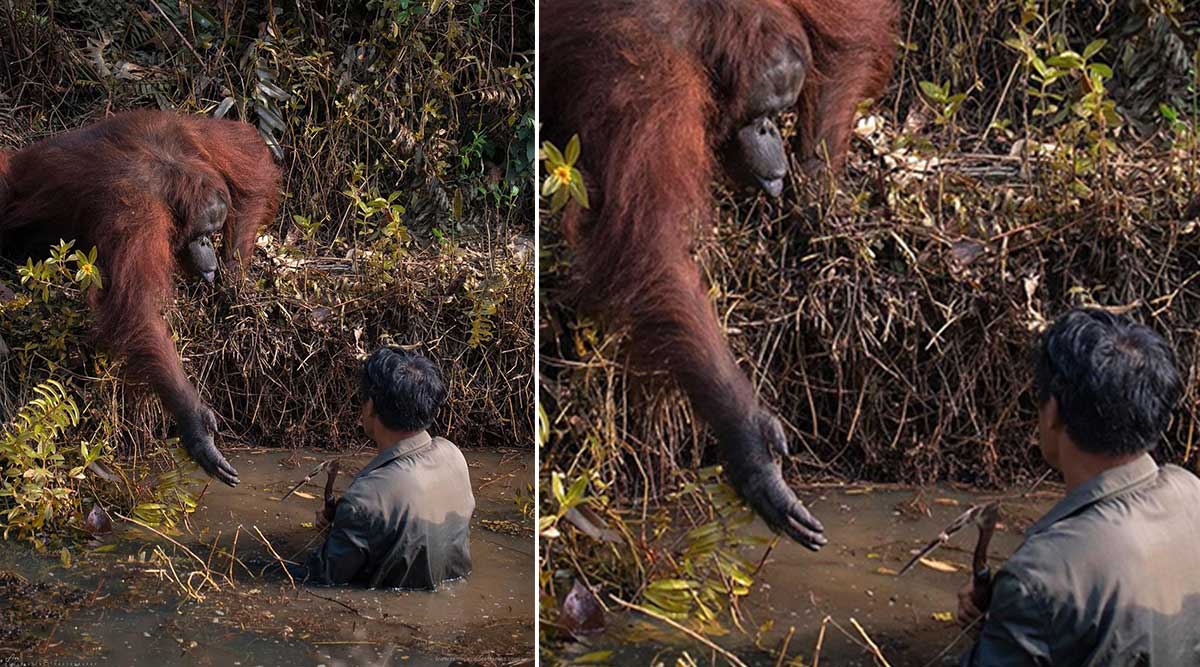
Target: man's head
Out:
[1105,386]
[402,392]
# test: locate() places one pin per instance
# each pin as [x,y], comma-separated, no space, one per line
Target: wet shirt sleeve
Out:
[346,548]
[1016,630]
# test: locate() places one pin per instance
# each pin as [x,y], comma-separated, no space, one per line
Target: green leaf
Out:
[1066,60]
[673,585]
[556,486]
[578,189]
[1093,48]
[572,150]
[553,157]
[933,91]
[550,185]
[593,658]
[1039,65]
[575,493]
[559,199]
[543,424]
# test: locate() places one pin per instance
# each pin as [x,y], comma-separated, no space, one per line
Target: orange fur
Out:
[129,185]
[653,87]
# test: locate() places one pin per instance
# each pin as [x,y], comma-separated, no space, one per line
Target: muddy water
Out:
[873,532]
[132,614]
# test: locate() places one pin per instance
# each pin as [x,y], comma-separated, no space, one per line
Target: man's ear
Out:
[368,417]
[1056,420]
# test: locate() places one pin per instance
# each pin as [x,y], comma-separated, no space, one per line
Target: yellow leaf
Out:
[943,616]
[593,658]
[939,565]
[302,494]
[873,556]
[886,570]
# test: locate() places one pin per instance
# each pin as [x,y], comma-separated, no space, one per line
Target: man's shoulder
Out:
[450,451]
[440,455]
[1182,480]
[1041,560]
[1108,540]
[439,441]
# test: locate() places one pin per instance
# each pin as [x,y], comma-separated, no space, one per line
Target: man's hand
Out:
[321,522]
[967,612]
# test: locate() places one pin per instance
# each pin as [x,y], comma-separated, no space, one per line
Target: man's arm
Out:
[345,549]
[1016,630]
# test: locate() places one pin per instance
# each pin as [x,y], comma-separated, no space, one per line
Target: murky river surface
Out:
[873,532]
[126,612]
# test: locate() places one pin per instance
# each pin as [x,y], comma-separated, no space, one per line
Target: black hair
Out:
[1115,381]
[405,388]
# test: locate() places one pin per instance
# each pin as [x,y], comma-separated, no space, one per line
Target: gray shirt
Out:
[1109,576]
[404,522]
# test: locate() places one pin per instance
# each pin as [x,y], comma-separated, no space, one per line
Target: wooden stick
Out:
[685,630]
[276,555]
[186,550]
[820,641]
[787,641]
[874,648]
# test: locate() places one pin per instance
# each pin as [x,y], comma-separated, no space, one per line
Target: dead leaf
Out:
[97,522]
[581,612]
[963,252]
[592,524]
[304,494]
[320,314]
[944,616]
[102,471]
[939,565]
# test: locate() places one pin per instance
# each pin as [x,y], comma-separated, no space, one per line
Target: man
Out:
[404,521]
[1109,576]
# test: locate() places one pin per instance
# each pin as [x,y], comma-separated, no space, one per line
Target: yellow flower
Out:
[563,173]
